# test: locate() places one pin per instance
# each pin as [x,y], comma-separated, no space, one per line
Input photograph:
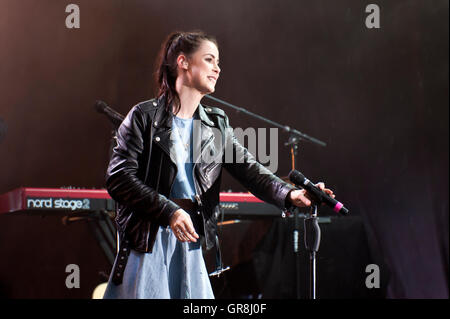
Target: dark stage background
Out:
[377,97]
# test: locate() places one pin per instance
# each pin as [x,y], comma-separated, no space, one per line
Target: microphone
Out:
[300,180]
[115,117]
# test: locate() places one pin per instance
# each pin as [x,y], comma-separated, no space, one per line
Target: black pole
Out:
[294,144]
[297,254]
[312,242]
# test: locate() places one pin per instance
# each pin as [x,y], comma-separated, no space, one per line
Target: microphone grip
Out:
[316,193]
[312,234]
[321,197]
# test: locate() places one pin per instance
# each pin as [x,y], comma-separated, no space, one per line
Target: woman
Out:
[167,193]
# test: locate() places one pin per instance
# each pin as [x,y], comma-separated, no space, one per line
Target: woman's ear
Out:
[182,62]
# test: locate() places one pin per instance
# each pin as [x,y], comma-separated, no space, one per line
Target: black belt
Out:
[187,204]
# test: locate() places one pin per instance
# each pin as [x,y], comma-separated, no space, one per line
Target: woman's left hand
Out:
[301,198]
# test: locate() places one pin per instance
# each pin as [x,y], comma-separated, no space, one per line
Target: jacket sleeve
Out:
[123,180]
[254,176]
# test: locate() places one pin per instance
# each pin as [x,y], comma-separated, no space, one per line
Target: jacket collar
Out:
[201,113]
[164,118]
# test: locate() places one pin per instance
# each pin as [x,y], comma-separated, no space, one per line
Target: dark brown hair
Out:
[166,71]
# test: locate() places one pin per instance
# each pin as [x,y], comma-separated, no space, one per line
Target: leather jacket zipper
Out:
[197,196]
[197,193]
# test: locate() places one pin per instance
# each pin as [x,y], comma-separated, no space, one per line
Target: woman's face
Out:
[203,68]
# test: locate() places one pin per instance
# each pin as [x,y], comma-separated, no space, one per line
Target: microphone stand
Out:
[294,144]
[114,117]
[312,230]
[292,131]
[312,242]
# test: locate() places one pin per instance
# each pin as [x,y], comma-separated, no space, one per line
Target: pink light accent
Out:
[338,207]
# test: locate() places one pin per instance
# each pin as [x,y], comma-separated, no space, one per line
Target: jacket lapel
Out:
[162,124]
[201,133]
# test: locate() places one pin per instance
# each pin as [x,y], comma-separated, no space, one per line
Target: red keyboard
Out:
[27,199]
[50,199]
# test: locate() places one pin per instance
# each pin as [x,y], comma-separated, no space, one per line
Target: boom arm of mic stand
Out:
[283,127]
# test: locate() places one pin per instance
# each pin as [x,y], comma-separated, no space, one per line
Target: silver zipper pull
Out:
[199,201]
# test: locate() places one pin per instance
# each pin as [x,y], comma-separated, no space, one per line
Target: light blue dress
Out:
[173,270]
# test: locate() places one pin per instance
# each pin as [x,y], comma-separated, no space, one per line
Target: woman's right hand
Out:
[182,226]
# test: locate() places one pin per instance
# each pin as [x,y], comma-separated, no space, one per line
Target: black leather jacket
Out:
[141,172]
